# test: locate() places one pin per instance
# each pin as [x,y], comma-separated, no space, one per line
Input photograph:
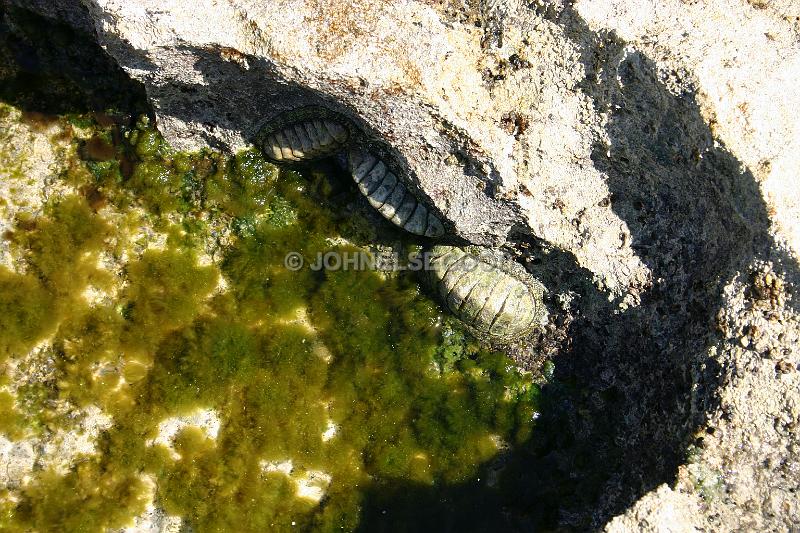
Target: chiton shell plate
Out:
[391,197]
[304,134]
[494,296]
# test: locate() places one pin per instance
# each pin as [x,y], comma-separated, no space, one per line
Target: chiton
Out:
[304,134]
[494,296]
[389,195]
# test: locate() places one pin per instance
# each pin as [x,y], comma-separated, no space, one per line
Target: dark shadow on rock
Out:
[632,388]
[247,91]
[49,66]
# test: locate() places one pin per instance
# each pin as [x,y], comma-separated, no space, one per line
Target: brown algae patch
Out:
[240,395]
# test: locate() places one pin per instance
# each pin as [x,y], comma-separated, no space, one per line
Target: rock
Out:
[741,59]
[663,510]
[486,110]
[486,122]
[641,159]
[17,460]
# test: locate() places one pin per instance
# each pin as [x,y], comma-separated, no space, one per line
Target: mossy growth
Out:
[12,423]
[25,312]
[347,375]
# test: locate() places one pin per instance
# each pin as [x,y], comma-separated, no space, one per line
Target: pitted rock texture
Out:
[641,159]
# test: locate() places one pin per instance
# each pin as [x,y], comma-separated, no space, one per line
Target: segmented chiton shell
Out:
[492,295]
[304,135]
[389,195]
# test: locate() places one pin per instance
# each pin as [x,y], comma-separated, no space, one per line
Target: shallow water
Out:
[236,394]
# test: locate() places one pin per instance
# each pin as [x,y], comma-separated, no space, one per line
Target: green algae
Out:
[210,318]
[88,498]
[25,312]
[12,423]
[61,246]
[166,291]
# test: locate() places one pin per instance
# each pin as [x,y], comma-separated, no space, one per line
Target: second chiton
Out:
[390,196]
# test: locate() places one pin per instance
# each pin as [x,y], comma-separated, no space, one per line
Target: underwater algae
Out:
[154,284]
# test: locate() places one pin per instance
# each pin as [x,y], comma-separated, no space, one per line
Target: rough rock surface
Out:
[642,156]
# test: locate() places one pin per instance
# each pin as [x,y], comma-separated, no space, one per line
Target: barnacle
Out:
[390,196]
[493,296]
[304,134]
